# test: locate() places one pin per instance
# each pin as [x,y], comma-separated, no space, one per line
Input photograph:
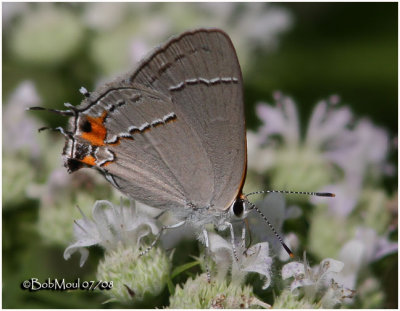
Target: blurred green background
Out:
[314,50]
[349,49]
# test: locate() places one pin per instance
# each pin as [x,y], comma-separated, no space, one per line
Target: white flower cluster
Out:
[111,225]
[121,231]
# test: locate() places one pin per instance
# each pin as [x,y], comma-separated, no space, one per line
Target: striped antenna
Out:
[318,194]
[68,113]
[287,249]
[59,129]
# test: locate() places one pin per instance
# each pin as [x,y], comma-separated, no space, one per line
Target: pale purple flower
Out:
[356,151]
[328,127]
[367,145]
[280,120]
[347,195]
[365,248]
[333,138]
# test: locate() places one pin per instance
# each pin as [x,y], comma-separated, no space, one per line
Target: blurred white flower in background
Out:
[19,128]
[365,248]
[21,148]
[59,195]
[278,148]
[336,154]
[47,35]
[103,16]
[361,151]
[123,32]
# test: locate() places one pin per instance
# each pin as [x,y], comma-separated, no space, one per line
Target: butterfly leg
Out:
[233,241]
[243,243]
[206,254]
[177,225]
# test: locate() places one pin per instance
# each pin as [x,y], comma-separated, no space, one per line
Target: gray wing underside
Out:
[200,157]
[162,164]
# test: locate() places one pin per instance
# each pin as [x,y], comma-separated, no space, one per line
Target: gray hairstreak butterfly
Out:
[171,133]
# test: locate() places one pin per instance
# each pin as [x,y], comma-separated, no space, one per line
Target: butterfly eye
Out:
[238,208]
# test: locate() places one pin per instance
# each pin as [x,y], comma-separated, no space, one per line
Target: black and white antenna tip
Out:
[325,194]
[84,91]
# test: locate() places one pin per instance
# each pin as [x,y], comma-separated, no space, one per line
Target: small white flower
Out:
[111,226]
[255,259]
[317,283]
[335,295]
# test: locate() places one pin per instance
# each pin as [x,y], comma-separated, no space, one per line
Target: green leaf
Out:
[178,270]
[171,287]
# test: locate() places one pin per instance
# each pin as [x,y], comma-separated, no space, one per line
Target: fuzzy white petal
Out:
[292,269]
[259,261]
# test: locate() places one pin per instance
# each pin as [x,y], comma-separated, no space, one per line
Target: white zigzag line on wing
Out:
[180,85]
[141,128]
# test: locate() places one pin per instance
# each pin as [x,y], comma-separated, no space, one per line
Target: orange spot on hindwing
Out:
[107,163]
[89,160]
[94,130]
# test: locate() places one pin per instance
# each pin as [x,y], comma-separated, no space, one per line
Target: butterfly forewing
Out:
[201,73]
[175,131]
